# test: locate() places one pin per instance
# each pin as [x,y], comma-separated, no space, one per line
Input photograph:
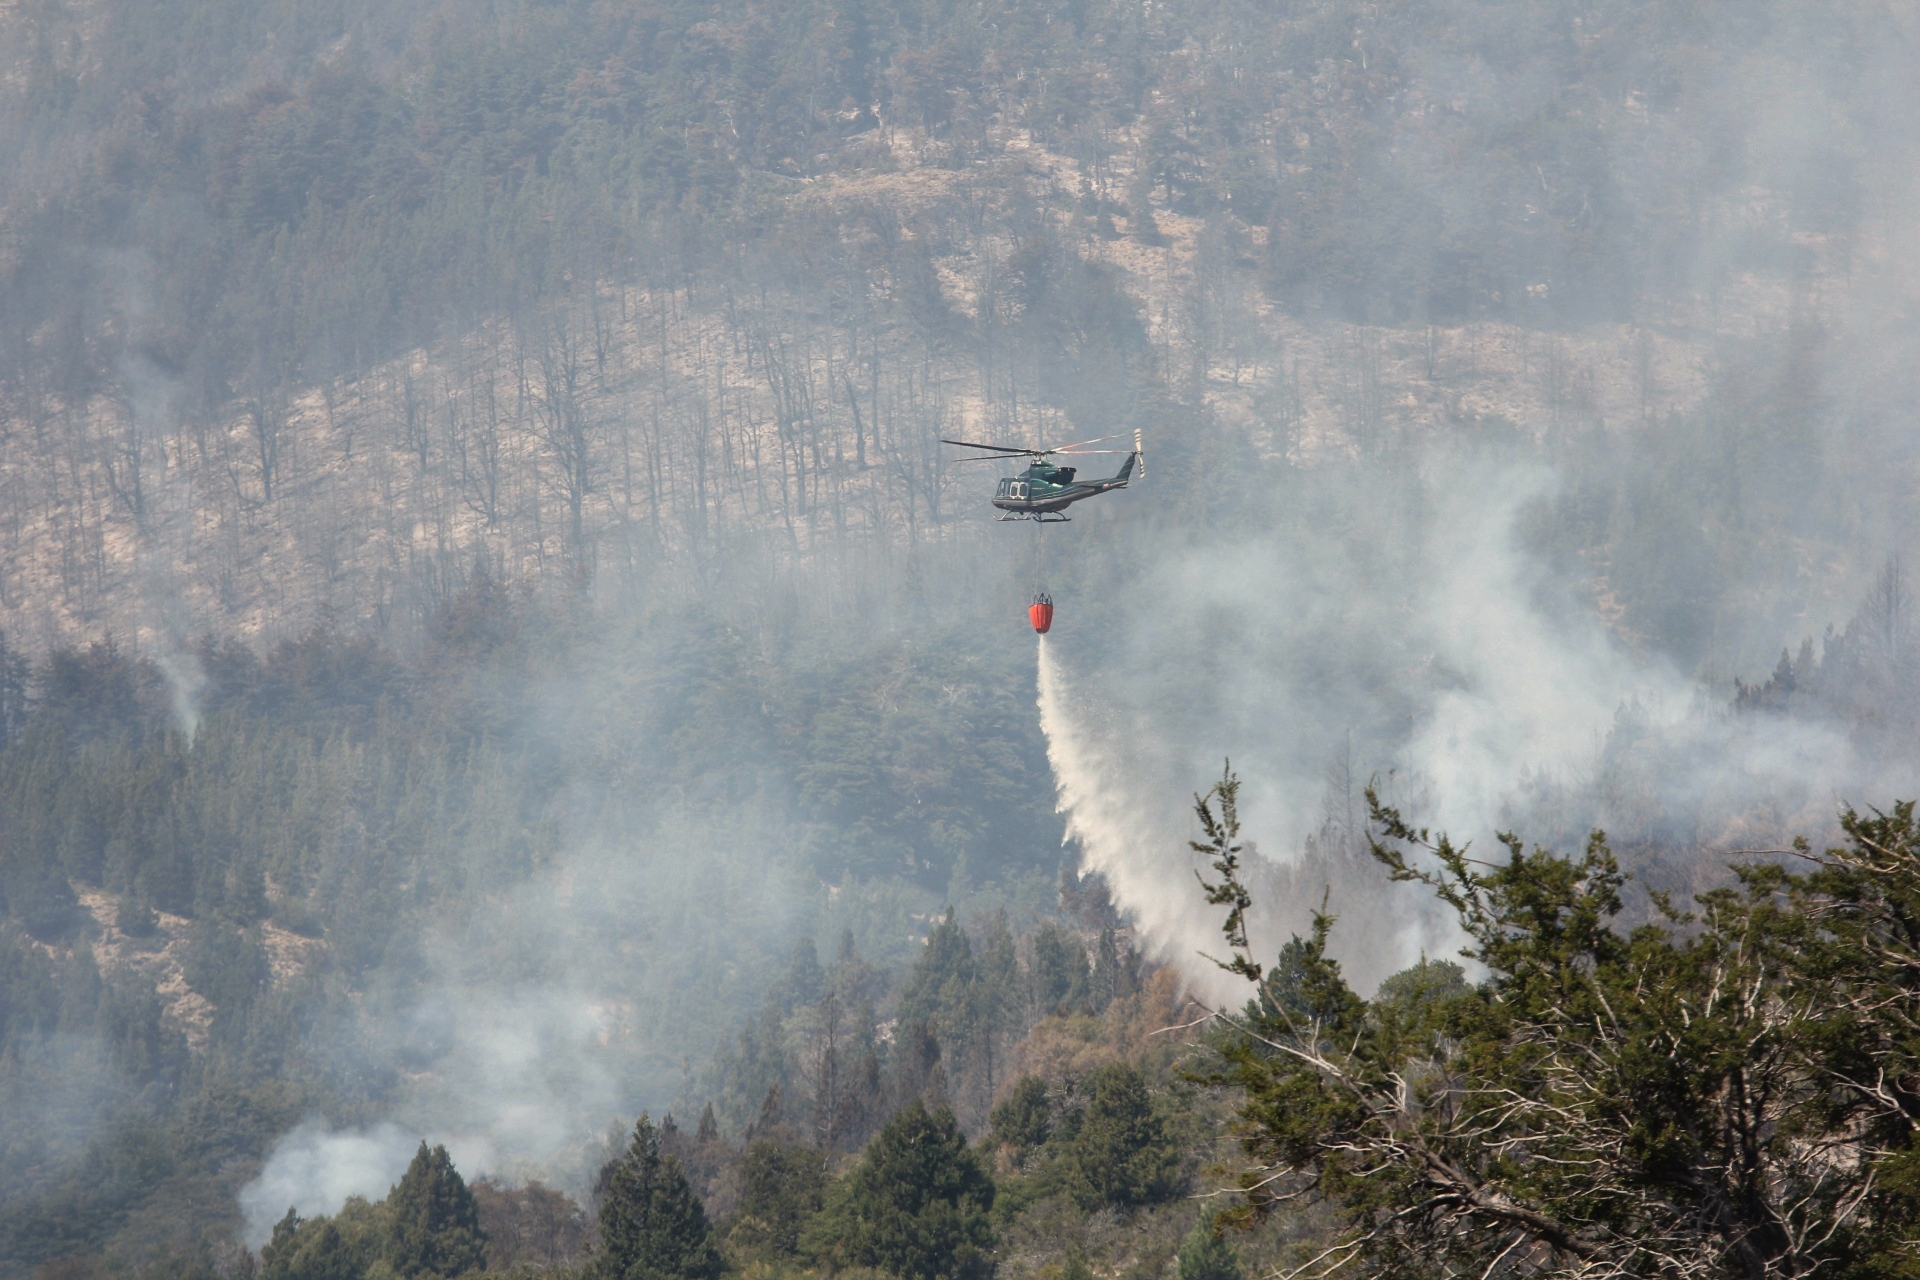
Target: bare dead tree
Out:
[821,1068]
[266,416]
[124,465]
[475,436]
[564,427]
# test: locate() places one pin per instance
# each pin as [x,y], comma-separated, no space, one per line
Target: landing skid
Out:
[1038,519]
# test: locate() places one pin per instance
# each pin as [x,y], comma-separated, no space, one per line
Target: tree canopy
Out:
[1206,1254]
[1726,1091]
[1121,1154]
[435,1223]
[783,1184]
[915,1206]
[652,1226]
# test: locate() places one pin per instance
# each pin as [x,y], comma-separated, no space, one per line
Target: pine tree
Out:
[313,1249]
[996,997]
[276,1256]
[1206,1255]
[325,1256]
[652,1226]
[13,693]
[1115,969]
[1598,1095]
[35,890]
[804,981]
[435,1221]
[938,990]
[916,1205]
[1058,974]
[1121,1155]
[784,1184]
[1024,1121]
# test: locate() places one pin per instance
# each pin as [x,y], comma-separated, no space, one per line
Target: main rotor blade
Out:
[989,458]
[997,448]
[1062,448]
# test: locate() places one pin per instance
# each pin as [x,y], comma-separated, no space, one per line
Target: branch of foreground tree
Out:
[1731,1090]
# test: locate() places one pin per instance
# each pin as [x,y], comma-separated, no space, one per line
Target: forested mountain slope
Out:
[310,310]
[483,592]
[363,883]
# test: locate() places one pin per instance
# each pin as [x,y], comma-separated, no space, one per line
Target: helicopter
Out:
[1046,489]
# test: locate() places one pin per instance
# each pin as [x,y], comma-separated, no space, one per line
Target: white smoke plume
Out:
[186,684]
[1459,680]
[570,1003]
[314,1168]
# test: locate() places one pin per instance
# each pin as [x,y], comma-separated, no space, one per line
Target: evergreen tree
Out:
[998,964]
[324,1255]
[1115,969]
[805,980]
[435,1223]
[1206,1255]
[916,1205]
[277,1253]
[1602,1098]
[135,917]
[939,990]
[35,889]
[1297,985]
[773,1114]
[652,1226]
[13,693]
[323,1248]
[996,1000]
[919,1068]
[1058,974]
[1428,985]
[1024,1121]
[1121,1154]
[784,1184]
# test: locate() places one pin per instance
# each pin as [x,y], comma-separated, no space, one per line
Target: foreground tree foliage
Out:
[1729,1091]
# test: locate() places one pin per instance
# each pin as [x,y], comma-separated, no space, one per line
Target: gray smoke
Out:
[1455,674]
[314,1168]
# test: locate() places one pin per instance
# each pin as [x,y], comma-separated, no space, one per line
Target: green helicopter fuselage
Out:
[1045,489]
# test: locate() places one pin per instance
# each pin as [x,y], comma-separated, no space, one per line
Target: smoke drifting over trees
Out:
[481,583]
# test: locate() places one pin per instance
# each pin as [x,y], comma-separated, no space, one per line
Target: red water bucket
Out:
[1040,612]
